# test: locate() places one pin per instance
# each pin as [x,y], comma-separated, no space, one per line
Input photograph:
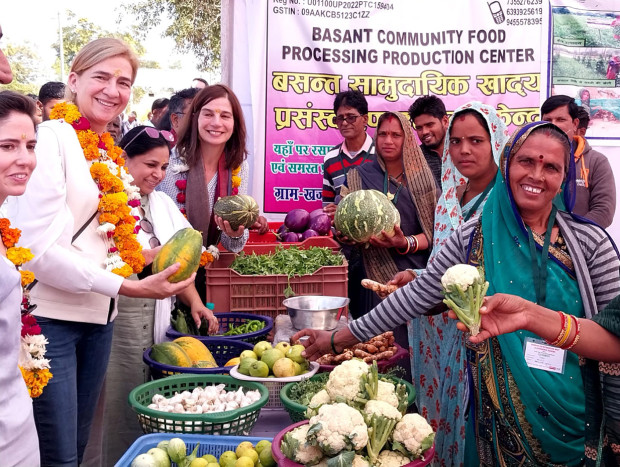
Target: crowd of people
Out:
[529,209]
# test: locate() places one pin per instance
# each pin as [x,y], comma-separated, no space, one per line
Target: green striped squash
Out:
[237,210]
[364,213]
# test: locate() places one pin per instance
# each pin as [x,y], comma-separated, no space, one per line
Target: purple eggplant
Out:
[297,220]
[321,224]
[290,237]
[316,213]
[309,233]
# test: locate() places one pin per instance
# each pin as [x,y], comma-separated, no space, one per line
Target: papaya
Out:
[196,350]
[170,353]
[184,247]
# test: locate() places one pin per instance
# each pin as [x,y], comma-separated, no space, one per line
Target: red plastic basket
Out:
[382,365]
[229,290]
[283,461]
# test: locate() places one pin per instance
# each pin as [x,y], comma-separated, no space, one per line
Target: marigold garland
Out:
[117,194]
[34,368]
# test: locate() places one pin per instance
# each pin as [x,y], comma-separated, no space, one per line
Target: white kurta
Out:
[19,444]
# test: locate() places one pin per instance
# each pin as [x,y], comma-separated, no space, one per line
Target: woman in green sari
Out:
[520,415]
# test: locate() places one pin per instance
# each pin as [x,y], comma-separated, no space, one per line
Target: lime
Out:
[210,458]
[248,452]
[227,459]
[242,447]
[198,462]
[266,458]
[262,445]
[244,462]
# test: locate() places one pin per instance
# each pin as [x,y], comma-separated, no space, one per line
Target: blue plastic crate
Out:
[209,444]
[221,349]
[236,319]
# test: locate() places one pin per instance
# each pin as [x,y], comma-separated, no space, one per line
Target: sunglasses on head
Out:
[154,133]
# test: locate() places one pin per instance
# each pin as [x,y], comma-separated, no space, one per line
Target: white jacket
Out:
[61,196]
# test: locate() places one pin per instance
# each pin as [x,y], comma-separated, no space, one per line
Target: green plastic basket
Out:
[297,412]
[232,422]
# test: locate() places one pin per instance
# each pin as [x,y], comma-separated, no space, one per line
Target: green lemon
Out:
[262,445]
[198,462]
[210,458]
[244,462]
[266,459]
[248,452]
[228,459]
[242,447]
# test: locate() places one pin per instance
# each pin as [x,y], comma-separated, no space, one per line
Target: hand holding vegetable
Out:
[464,288]
[500,314]
[382,290]
[397,240]
[200,312]
[261,225]
[225,227]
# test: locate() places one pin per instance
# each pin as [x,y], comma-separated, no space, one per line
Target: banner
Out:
[394,52]
[586,61]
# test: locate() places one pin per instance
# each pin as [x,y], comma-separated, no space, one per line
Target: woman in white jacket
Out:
[75,218]
[141,322]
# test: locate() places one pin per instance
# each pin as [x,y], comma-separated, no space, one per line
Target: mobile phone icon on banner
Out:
[497,12]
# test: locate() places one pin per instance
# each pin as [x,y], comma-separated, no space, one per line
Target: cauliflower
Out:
[320,398]
[391,459]
[338,427]
[387,393]
[359,461]
[344,380]
[295,447]
[382,409]
[381,419]
[413,435]
[464,288]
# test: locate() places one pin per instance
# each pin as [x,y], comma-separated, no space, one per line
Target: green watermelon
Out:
[237,210]
[364,213]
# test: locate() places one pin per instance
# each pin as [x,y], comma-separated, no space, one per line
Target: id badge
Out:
[542,356]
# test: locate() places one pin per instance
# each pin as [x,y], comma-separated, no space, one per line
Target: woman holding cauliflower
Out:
[526,409]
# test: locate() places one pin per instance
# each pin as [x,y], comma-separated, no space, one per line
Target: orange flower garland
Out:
[117,195]
[32,364]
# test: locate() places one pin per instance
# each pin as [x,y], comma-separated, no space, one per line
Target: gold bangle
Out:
[567,334]
[577,335]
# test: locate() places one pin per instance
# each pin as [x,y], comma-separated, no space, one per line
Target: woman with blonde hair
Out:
[75,217]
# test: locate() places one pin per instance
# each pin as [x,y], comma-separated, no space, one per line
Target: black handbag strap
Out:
[75,236]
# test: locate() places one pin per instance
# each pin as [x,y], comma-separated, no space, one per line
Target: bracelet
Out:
[400,251]
[333,346]
[569,324]
[562,330]
[415,244]
[236,238]
[577,335]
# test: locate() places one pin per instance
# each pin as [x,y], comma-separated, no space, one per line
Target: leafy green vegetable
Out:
[305,390]
[291,261]
[344,459]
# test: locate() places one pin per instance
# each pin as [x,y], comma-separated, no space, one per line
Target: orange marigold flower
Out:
[124,271]
[236,181]
[9,236]
[124,230]
[18,255]
[27,277]
[108,217]
[113,202]
[205,258]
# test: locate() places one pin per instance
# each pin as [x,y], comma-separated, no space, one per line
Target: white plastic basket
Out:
[274,385]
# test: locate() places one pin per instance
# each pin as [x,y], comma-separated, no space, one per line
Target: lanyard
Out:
[482,196]
[392,197]
[539,269]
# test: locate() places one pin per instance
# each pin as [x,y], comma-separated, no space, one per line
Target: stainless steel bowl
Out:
[314,312]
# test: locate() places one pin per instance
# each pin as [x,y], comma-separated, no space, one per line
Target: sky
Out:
[36,21]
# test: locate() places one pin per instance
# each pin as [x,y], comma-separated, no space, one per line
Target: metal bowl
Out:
[315,312]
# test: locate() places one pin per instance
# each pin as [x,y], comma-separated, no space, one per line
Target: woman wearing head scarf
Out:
[475,138]
[401,173]
[527,246]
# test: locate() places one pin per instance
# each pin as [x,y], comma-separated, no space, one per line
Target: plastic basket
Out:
[221,349]
[275,385]
[229,290]
[209,444]
[297,411]
[282,461]
[382,365]
[270,238]
[236,319]
[232,422]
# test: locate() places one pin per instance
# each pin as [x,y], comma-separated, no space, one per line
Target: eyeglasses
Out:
[350,119]
[146,225]
[153,133]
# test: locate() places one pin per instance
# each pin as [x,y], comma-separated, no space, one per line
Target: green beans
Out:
[245,328]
